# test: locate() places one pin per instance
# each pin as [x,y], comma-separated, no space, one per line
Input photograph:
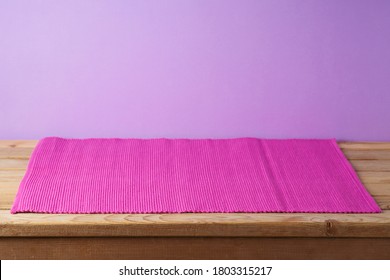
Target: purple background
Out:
[195,69]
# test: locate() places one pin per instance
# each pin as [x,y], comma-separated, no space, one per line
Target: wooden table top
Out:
[370,160]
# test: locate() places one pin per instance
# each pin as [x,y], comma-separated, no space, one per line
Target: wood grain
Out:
[376,177]
[342,144]
[194,224]
[356,150]
[18,143]
[366,154]
[158,248]
[380,192]
[15,153]
[11,175]
[364,145]
[371,160]
[381,189]
[12,164]
[371,165]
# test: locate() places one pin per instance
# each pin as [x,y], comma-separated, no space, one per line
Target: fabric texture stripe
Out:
[198,175]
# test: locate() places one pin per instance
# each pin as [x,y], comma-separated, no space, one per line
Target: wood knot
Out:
[330,227]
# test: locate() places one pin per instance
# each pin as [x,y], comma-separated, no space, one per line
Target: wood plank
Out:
[370,165]
[11,175]
[374,174]
[15,153]
[378,183]
[194,248]
[374,180]
[6,201]
[18,143]
[383,202]
[196,224]
[359,165]
[25,153]
[9,187]
[374,177]
[381,177]
[10,164]
[366,154]
[11,184]
[380,192]
[378,189]
[364,145]
[342,144]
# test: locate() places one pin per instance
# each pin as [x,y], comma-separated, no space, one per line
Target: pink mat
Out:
[179,175]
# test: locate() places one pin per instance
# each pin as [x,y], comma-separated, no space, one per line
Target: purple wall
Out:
[195,68]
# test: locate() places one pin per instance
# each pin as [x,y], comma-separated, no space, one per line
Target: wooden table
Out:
[198,236]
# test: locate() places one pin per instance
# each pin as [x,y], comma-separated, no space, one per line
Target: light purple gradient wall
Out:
[195,68]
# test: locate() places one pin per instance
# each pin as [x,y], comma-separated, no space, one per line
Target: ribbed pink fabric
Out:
[180,175]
